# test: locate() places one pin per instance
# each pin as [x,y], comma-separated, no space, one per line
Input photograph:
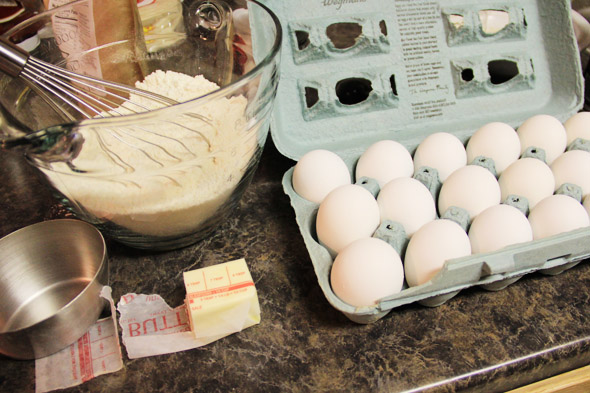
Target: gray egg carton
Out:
[411,68]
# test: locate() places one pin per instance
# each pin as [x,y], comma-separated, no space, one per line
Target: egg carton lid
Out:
[404,69]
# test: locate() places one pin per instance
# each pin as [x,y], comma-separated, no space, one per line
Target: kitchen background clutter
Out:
[328,109]
[580,17]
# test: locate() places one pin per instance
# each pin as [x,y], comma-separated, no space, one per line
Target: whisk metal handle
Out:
[12,58]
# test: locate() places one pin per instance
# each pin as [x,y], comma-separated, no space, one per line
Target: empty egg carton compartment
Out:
[492,75]
[344,93]
[478,23]
[357,72]
[333,38]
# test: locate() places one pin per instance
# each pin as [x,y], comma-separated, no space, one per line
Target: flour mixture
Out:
[166,176]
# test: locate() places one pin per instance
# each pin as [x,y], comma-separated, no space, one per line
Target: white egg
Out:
[545,132]
[492,21]
[317,173]
[497,227]
[348,213]
[587,204]
[366,271]
[407,201]
[384,161]
[498,141]
[472,188]
[573,167]
[578,126]
[527,177]
[431,246]
[441,151]
[557,214]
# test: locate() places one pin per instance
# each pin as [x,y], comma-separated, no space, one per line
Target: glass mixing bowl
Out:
[166,177]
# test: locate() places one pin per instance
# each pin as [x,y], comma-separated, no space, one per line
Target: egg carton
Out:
[407,69]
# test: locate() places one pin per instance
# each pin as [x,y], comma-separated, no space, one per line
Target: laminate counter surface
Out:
[478,341]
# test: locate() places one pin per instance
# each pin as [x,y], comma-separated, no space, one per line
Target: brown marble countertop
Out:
[478,341]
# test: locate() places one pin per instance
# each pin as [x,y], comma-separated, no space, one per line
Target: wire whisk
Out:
[93,98]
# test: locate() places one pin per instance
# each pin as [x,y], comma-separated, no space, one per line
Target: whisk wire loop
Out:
[73,95]
[83,93]
[52,85]
[101,85]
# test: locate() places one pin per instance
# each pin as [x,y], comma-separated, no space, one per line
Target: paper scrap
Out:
[96,353]
[151,327]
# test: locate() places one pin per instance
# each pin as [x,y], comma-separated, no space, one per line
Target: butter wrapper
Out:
[220,300]
[96,353]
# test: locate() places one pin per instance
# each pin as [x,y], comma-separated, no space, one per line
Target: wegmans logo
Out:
[339,3]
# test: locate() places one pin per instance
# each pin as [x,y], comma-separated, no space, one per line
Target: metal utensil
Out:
[51,275]
[91,97]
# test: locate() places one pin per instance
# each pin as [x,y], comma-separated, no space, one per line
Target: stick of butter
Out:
[221,299]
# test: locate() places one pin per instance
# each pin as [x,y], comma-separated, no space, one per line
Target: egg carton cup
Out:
[404,70]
